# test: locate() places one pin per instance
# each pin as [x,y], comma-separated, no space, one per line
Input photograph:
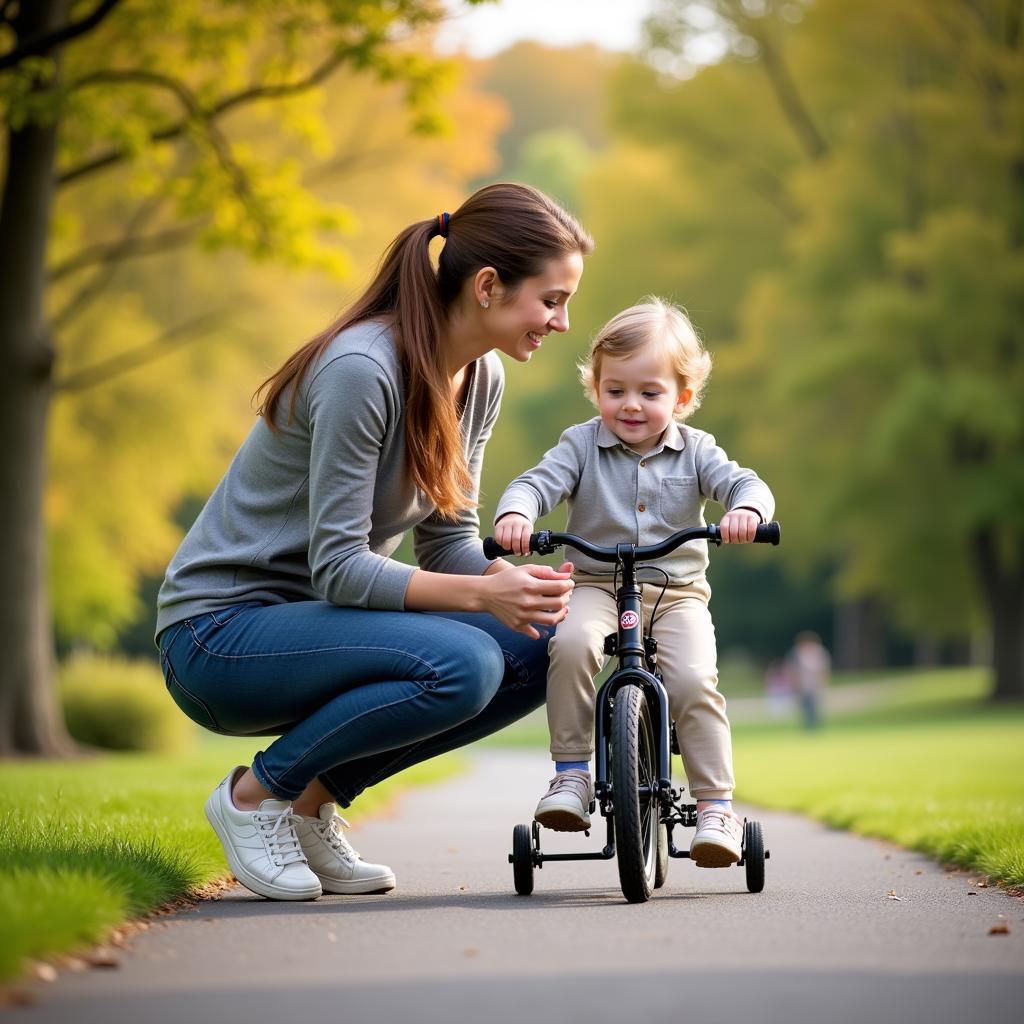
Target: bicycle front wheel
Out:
[634,773]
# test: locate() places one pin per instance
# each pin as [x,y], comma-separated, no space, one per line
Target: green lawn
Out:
[926,763]
[931,766]
[85,845]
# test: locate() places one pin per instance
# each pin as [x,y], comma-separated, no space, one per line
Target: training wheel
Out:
[753,855]
[522,859]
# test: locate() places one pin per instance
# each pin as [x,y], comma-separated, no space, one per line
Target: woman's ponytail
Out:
[433,438]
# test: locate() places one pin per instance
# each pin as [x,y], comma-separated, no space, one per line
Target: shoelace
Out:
[335,837]
[714,817]
[280,838]
[563,780]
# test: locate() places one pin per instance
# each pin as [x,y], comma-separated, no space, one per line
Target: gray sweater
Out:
[617,496]
[314,511]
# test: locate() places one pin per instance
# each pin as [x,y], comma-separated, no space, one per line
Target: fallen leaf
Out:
[1000,928]
[45,972]
[891,894]
[918,872]
[463,888]
[103,956]
[471,951]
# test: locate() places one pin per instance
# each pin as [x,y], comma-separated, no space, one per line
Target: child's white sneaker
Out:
[565,807]
[334,861]
[719,839]
[261,846]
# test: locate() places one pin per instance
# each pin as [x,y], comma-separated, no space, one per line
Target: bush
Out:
[119,704]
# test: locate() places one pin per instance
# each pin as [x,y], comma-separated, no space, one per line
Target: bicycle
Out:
[634,738]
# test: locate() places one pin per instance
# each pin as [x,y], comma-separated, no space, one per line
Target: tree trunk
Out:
[927,653]
[1003,588]
[30,720]
[858,636]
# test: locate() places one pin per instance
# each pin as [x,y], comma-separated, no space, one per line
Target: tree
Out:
[91,88]
[112,521]
[885,347]
[548,89]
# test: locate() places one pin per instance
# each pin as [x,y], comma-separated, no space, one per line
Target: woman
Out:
[282,612]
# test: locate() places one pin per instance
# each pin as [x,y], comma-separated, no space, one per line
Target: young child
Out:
[636,473]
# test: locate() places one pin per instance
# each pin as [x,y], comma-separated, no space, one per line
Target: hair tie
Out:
[442,224]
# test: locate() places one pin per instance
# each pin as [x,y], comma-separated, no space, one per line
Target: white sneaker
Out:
[719,839]
[261,846]
[332,859]
[565,807]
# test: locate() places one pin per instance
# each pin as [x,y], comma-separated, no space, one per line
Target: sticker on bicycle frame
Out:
[629,620]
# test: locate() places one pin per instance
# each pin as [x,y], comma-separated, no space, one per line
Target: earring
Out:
[484,303]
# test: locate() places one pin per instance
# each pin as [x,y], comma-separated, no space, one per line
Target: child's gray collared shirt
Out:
[618,496]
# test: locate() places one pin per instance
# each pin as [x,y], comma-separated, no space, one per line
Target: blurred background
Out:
[833,189]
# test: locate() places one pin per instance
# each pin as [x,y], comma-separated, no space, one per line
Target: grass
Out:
[86,845]
[926,762]
[931,766]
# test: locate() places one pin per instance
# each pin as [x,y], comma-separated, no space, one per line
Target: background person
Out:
[810,666]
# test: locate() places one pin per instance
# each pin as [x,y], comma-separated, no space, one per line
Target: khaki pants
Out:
[688,662]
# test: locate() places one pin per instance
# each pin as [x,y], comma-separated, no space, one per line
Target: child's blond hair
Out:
[652,320]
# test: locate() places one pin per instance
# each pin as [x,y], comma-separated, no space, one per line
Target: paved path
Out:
[453,944]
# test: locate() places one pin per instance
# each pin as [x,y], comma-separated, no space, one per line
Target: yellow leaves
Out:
[122,456]
[307,124]
[319,181]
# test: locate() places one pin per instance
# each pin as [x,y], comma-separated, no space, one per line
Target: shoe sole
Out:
[560,820]
[249,880]
[362,887]
[708,855]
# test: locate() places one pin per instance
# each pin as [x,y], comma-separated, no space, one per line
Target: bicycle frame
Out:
[636,667]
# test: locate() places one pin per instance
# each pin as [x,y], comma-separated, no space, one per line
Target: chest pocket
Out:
[680,501]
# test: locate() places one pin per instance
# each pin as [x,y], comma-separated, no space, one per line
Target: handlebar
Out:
[545,542]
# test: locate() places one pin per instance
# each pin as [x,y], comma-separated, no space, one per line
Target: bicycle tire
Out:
[634,765]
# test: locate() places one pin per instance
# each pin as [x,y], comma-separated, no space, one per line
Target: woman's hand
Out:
[524,595]
[739,526]
[512,532]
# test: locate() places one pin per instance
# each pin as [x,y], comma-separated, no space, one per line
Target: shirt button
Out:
[641,508]
[643,463]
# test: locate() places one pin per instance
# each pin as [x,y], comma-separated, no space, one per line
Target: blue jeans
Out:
[354,695]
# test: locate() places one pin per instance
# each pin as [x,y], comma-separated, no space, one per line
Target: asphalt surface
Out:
[825,941]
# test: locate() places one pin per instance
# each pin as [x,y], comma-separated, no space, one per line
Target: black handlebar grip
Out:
[768,533]
[493,550]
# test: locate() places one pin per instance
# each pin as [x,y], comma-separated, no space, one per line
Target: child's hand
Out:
[739,526]
[513,532]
